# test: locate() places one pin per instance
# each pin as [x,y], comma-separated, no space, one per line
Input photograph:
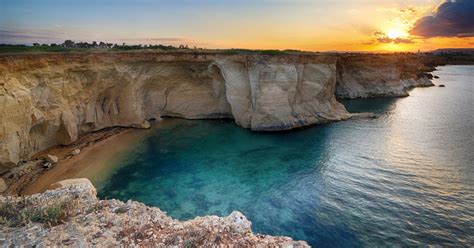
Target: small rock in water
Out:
[76,151]
[52,159]
[441,85]
[365,115]
[436,76]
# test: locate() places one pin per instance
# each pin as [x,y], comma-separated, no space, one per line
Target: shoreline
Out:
[99,152]
[96,149]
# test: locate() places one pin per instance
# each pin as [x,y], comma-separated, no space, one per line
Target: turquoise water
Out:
[405,178]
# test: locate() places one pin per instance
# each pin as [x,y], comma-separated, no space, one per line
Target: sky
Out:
[312,25]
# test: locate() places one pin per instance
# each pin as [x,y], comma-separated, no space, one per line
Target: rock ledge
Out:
[111,223]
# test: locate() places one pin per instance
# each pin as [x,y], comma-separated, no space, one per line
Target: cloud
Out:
[453,18]
[9,35]
[381,37]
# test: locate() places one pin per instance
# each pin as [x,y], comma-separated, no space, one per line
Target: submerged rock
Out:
[365,115]
[441,85]
[86,221]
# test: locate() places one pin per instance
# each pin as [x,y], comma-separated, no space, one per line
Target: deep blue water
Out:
[405,178]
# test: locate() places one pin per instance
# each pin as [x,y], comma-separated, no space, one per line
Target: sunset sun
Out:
[396,33]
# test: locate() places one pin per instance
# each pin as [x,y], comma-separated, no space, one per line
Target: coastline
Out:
[130,89]
[91,146]
[97,152]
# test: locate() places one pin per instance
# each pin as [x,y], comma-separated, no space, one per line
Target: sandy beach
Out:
[94,161]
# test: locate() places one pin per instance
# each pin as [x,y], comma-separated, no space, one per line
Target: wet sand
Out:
[95,161]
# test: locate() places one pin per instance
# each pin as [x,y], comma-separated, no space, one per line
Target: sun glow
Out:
[395,33]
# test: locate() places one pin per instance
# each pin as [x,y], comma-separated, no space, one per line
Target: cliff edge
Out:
[70,215]
[371,75]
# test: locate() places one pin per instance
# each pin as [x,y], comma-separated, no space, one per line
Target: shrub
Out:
[20,213]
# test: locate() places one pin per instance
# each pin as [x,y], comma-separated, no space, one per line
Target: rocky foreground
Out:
[71,215]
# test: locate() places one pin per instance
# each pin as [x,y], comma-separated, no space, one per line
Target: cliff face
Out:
[360,76]
[266,96]
[78,219]
[50,99]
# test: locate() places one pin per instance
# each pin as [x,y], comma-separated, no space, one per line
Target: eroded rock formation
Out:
[360,76]
[51,99]
[81,220]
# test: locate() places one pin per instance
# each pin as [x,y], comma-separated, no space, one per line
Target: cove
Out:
[404,178]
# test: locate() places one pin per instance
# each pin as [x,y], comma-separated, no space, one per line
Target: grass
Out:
[21,213]
[10,49]
[37,49]
[271,52]
[7,48]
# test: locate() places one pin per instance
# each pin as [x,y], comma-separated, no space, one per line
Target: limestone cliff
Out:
[50,99]
[360,76]
[70,215]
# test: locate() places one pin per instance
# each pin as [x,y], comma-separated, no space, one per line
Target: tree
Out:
[69,44]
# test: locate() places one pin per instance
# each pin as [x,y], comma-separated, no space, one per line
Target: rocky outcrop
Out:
[81,220]
[266,96]
[361,76]
[50,99]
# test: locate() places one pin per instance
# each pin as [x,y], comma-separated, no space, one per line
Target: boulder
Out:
[239,223]
[79,182]
[52,159]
